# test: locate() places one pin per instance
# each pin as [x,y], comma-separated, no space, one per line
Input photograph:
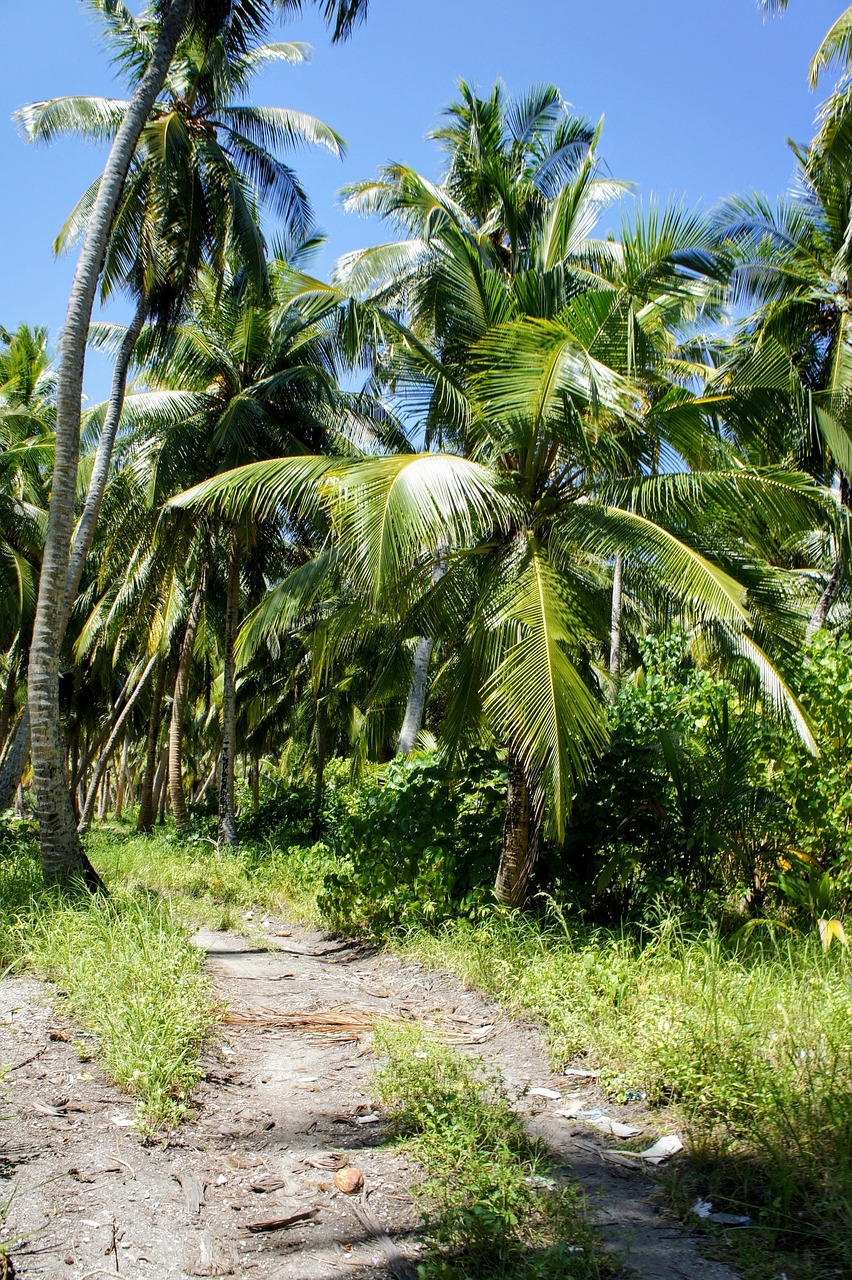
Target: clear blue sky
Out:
[699,98]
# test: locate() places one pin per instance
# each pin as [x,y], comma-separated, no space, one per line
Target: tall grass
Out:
[124,968]
[751,1043]
[205,883]
[493,1207]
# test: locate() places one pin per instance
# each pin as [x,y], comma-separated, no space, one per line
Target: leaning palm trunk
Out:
[104,759]
[179,707]
[147,813]
[819,617]
[14,765]
[416,705]
[616,623]
[520,838]
[61,851]
[227,814]
[14,761]
[8,705]
[412,721]
[103,457]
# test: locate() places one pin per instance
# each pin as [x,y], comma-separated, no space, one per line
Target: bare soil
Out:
[247,1188]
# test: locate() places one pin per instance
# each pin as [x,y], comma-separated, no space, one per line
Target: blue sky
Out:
[699,99]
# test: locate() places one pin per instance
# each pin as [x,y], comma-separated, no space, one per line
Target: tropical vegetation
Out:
[490,598]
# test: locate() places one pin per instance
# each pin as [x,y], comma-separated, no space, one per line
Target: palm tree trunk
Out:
[121,780]
[416,704]
[179,706]
[16,758]
[147,813]
[255,784]
[520,838]
[61,852]
[103,761]
[412,721]
[8,705]
[615,624]
[103,457]
[322,747]
[161,786]
[819,617]
[227,815]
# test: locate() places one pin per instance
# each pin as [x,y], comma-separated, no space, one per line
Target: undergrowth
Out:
[125,970]
[206,883]
[494,1207]
[750,1045]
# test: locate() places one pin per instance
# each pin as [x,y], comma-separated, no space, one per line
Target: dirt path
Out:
[287,1086]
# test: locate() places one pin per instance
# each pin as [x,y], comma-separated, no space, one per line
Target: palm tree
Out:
[522,192]
[61,852]
[785,384]
[27,416]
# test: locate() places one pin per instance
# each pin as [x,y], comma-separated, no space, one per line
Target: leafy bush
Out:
[817,790]
[678,808]
[415,849]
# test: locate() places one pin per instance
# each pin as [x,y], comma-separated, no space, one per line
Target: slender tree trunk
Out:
[147,812]
[161,786]
[121,782]
[61,851]
[227,815]
[615,624]
[520,838]
[8,705]
[199,795]
[15,760]
[412,721]
[103,761]
[179,707]
[322,747]
[255,784]
[103,457]
[819,617]
[416,704]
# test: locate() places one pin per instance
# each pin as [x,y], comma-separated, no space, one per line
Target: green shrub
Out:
[416,848]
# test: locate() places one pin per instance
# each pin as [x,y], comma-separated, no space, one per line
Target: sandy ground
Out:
[247,1188]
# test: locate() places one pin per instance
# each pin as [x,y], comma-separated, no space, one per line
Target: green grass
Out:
[494,1207]
[745,1046]
[207,884]
[749,1049]
[125,970]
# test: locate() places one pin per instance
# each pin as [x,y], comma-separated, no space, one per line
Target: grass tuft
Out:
[748,1044]
[493,1205]
[125,969]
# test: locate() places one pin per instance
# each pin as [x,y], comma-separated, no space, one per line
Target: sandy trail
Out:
[286,1090]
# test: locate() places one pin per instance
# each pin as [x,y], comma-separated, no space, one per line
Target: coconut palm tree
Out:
[27,416]
[784,384]
[61,852]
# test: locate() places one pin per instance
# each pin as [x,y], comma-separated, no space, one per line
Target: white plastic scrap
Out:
[704,1209]
[577,1110]
[661,1150]
[546,1093]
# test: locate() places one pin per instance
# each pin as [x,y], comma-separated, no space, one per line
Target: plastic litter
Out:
[545,1093]
[577,1110]
[704,1209]
[660,1151]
